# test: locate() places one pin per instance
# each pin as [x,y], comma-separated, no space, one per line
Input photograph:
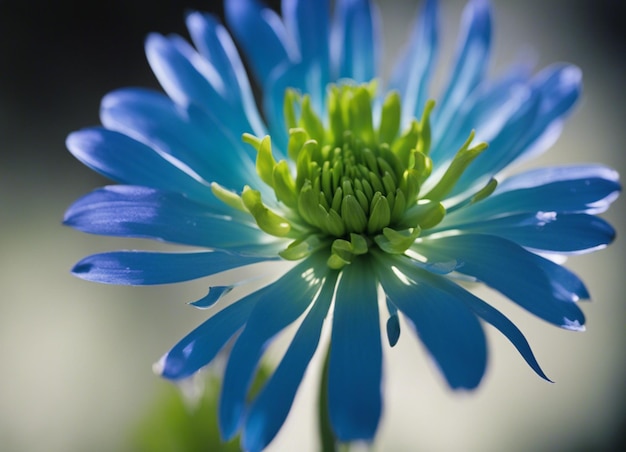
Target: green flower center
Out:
[350,185]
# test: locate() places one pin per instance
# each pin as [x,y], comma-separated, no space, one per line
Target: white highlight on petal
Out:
[159,366]
[573,325]
[545,218]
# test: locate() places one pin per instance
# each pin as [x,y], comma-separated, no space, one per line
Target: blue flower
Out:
[360,188]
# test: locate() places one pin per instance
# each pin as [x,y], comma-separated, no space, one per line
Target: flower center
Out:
[355,185]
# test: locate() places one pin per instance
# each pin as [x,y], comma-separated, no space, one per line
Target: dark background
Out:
[58,58]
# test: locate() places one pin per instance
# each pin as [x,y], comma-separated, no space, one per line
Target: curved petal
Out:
[411,74]
[470,65]
[504,146]
[491,315]
[548,231]
[307,22]
[560,86]
[262,35]
[393,323]
[567,189]
[190,79]
[199,347]
[140,268]
[215,44]
[287,76]
[513,271]
[355,40]
[270,408]
[189,135]
[355,366]
[554,91]
[125,160]
[279,305]
[131,211]
[447,327]
[486,111]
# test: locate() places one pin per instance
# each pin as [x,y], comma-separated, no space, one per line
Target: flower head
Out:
[362,186]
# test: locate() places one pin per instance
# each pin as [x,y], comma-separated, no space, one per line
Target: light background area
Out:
[76,357]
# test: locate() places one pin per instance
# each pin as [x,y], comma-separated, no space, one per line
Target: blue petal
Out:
[199,347]
[511,270]
[126,160]
[279,305]
[564,284]
[355,40]
[307,22]
[503,324]
[567,189]
[536,126]
[190,79]
[393,324]
[215,44]
[447,327]
[486,111]
[214,295]
[393,329]
[470,65]
[291,76]
[270,408]
[130,211]
[355,366]
[139,268]
[414,68]
[261,34]
[548,231]
[504,147]
[193,137]
[560,86]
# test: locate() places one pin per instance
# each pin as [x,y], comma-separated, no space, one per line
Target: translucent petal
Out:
[190,79]
[355,372]
[498,320]
[262,35]
[554,91]
[279,305]
[138,268]
[566,189]
[413,70]
[288,76]
[193,137]
[269,410]
[447,327]
[511,270]
[565,284]
[216,45]
[486,110]
[126,160]
[504,147]
[470,66]
[131,211]
[212,297]
[548,231]
[355,40]
[560,86]
[307,22]
[199,347]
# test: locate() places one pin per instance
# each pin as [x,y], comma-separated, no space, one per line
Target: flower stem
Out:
[327,437]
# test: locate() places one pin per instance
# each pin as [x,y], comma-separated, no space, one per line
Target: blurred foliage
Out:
[176,423]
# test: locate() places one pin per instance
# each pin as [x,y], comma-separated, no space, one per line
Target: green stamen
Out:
[352,184]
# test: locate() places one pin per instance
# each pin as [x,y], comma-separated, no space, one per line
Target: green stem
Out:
[326,432]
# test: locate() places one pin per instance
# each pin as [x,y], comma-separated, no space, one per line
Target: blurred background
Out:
[76,357]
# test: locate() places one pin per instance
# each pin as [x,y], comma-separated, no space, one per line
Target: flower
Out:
[360,188]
